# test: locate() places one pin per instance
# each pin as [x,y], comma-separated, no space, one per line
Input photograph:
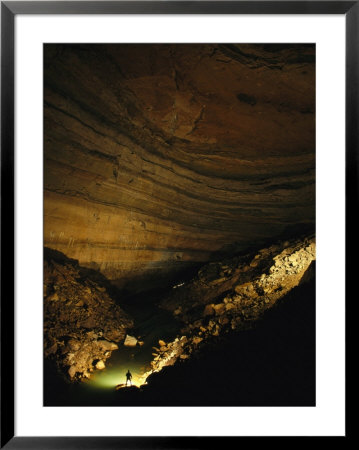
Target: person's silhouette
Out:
[128,377]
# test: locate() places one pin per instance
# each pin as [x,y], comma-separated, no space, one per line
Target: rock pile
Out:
[233,294]
[82,323]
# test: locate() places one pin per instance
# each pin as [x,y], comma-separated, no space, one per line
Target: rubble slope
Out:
[82,323]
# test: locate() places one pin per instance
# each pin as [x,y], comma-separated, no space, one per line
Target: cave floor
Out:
[152,324]
[272,364]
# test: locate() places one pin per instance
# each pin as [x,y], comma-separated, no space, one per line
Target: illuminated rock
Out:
[251,290]
[100,365]
[130,341]
[219,308]
[162,158]
[53,298]
[68,341]
[158,156]
[105,345]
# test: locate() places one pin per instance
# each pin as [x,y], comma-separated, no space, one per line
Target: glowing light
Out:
[110,379]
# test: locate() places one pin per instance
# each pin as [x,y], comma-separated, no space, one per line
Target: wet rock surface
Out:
[82,324]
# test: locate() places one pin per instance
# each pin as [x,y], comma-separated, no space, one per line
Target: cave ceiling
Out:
[157,157]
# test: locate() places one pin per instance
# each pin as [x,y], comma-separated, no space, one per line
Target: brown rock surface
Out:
[156,156]
[240,300]
[80,319]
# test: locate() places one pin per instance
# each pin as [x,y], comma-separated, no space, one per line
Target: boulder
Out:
[208,310]
[229,306]
[220,308]
[53,298]
[114,335]
[51,350]
[100,365]
[130,341]
[105,345]
[217,281]
[74,345]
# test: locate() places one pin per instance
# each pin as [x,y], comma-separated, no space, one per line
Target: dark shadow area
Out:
[239,249]
[135,287]
[270,365]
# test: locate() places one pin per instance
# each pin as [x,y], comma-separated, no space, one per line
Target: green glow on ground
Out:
[110,378]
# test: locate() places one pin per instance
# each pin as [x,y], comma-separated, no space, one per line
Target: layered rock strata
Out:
[82,323]
[232,295]
[157,156]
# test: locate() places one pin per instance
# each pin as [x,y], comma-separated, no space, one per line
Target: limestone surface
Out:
[156,157]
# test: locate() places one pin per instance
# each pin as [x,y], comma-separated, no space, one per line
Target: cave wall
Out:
[158,156]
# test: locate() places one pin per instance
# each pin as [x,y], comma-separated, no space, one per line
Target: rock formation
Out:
[159,156]
[162,161]
[82,323]
[232,295]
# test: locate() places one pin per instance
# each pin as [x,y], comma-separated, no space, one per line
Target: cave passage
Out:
[179,224]
[272,365]
[152,325]
[267,361]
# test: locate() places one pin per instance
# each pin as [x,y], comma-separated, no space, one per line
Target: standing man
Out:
[128,377]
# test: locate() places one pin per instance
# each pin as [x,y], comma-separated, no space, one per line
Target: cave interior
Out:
[179,224]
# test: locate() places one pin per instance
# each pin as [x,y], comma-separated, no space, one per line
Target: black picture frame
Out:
[9,10]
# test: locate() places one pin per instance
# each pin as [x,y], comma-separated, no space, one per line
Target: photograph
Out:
[179,224]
